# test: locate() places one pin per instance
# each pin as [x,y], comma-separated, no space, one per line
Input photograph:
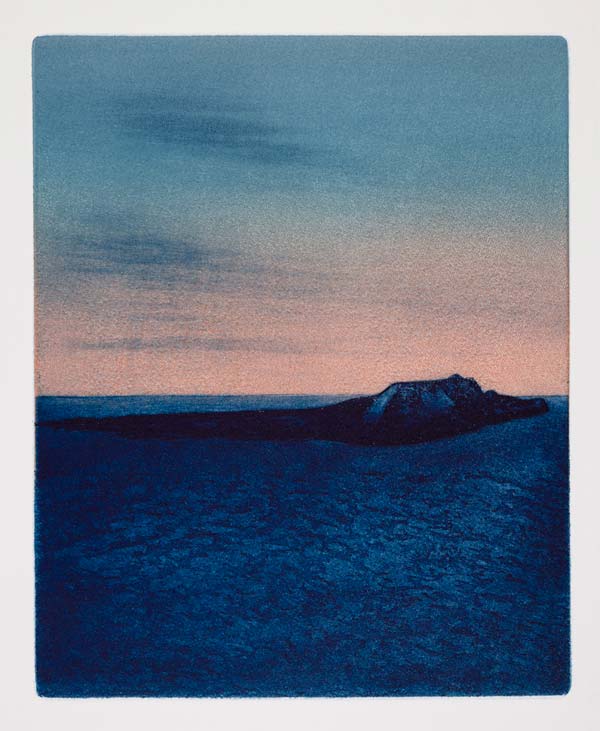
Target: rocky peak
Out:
[438,395]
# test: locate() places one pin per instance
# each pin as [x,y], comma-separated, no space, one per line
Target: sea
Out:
[215,567]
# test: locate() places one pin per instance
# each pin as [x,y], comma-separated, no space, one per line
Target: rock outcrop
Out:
[417,411]
[404,413]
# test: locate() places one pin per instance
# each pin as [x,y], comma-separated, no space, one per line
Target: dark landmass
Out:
[404,413]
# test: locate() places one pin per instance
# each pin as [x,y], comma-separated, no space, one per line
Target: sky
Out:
[299,214]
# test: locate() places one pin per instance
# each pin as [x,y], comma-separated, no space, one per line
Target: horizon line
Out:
[238,395]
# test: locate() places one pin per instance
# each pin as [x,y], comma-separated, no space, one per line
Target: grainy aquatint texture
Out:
[301,366]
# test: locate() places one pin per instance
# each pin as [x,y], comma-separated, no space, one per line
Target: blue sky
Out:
[177,178]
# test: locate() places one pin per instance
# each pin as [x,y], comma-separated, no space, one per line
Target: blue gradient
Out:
[294,132]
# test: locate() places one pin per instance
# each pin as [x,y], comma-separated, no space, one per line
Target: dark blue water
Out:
[217,567]
[68,407]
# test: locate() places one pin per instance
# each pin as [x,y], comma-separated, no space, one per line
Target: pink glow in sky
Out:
[300,215]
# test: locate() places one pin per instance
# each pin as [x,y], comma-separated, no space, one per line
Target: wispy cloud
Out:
[107,243]
[218,127]
[144,257]
[176,342]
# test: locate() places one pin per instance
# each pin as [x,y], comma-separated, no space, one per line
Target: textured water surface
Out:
[223,567]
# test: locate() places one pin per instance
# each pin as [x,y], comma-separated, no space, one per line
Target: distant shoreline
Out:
[244,395]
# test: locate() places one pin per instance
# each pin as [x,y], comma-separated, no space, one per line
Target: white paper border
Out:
[579,23]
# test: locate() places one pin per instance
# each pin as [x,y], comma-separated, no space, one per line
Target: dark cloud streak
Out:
[176,342]
[222,127]
[143,257]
